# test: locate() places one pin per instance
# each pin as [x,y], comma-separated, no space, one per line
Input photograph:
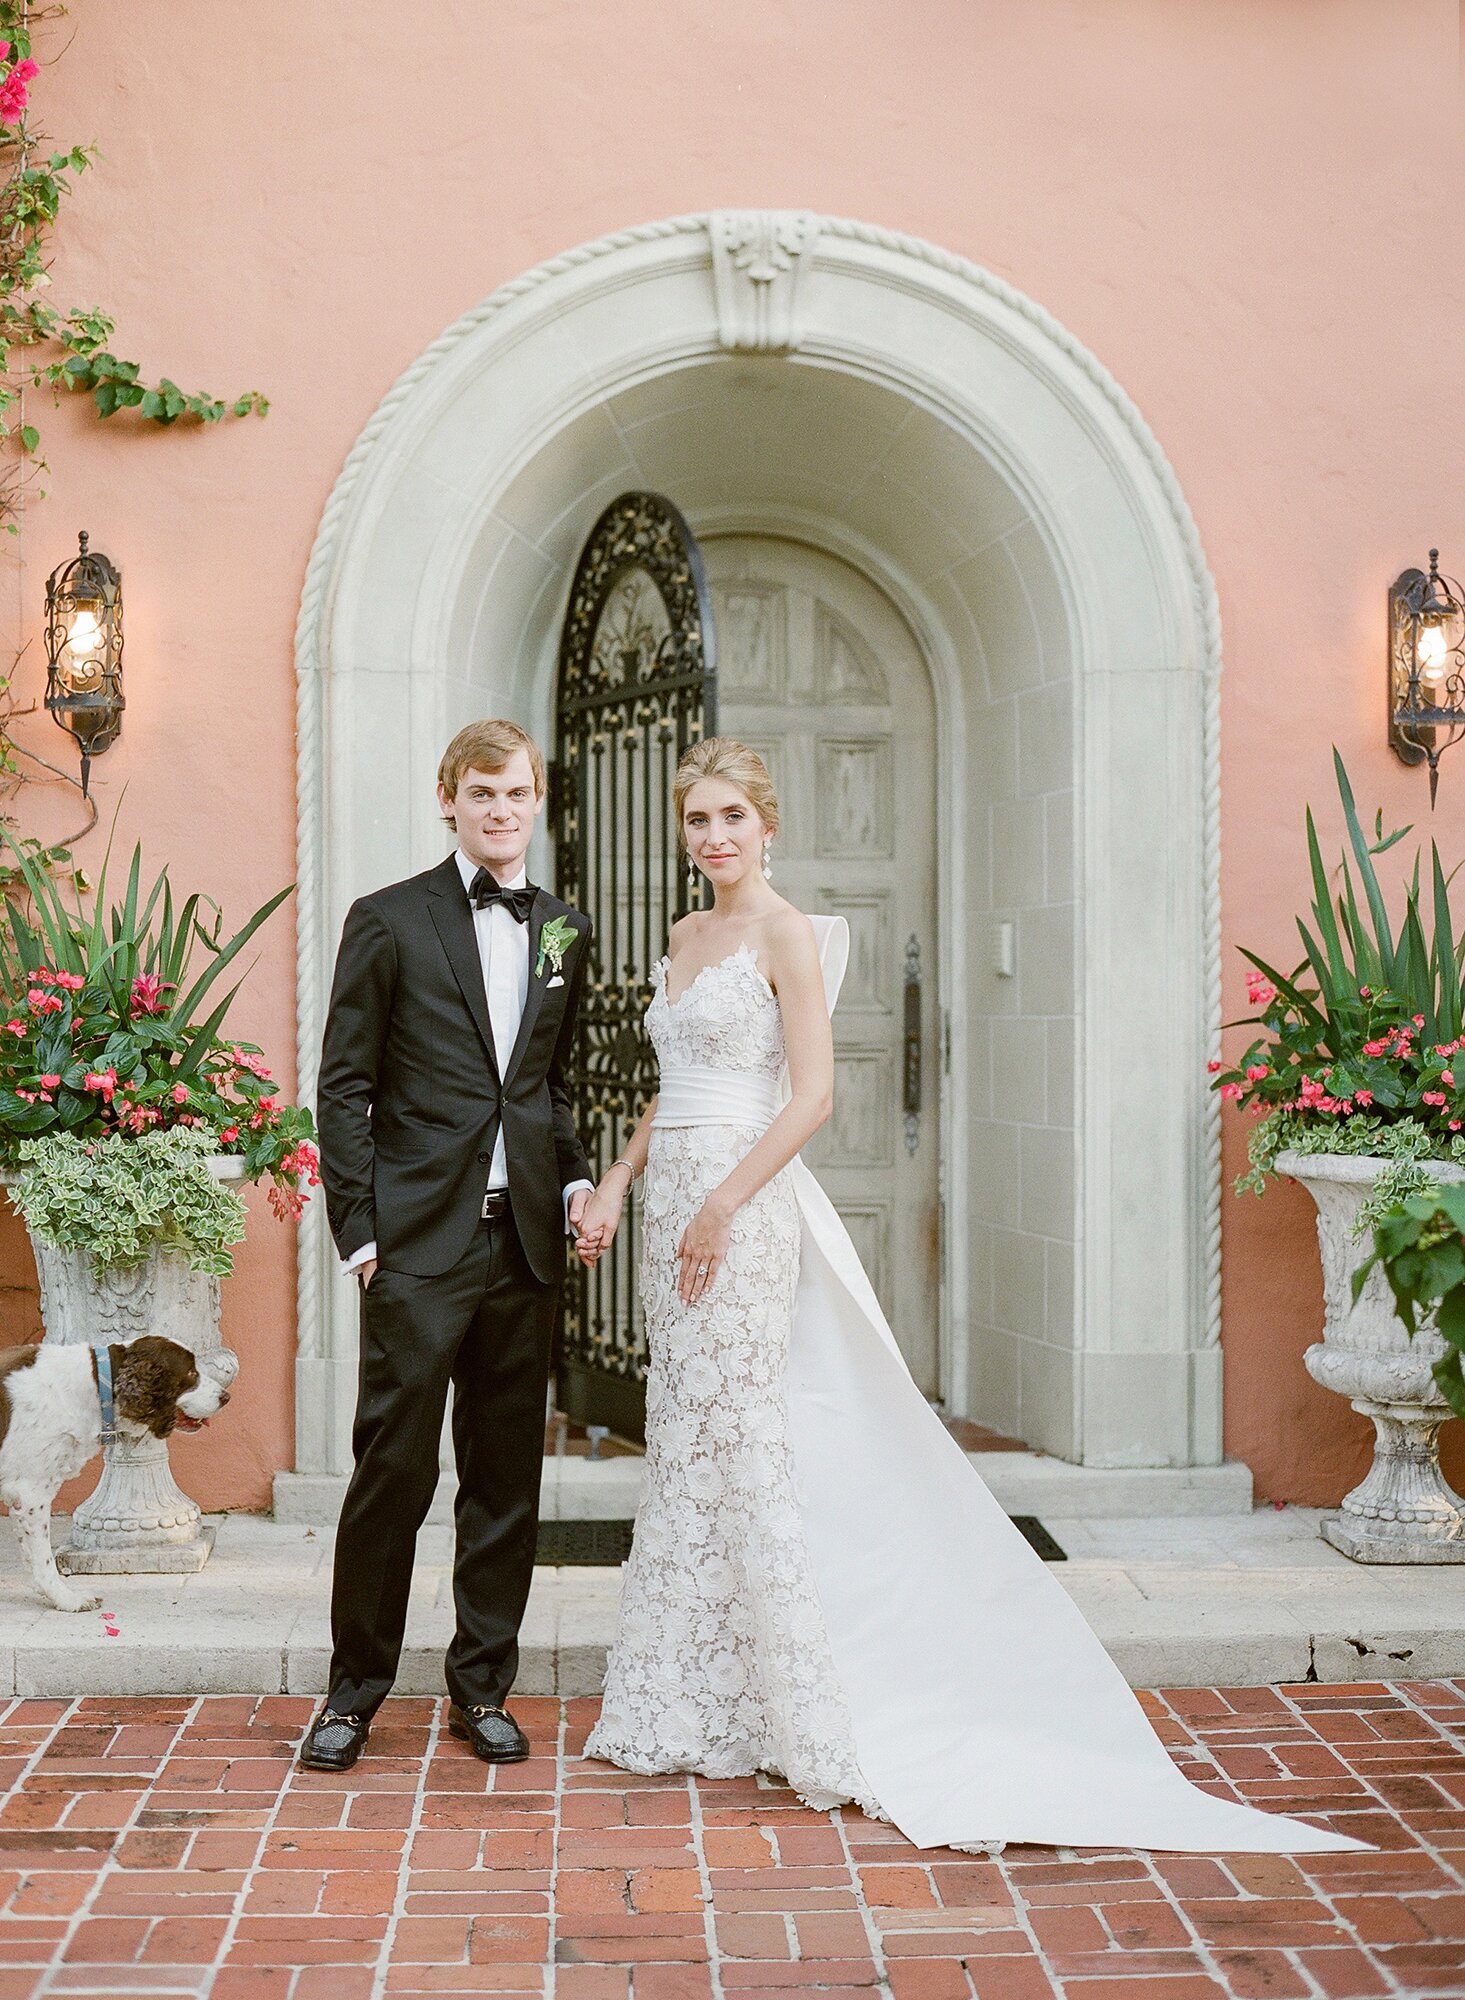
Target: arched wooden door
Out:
[636,686]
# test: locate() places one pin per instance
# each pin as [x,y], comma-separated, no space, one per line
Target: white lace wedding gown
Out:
[820,1585]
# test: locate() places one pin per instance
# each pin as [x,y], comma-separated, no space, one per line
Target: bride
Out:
[820,1586]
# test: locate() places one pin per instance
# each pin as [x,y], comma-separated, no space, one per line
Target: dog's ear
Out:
[149,1375]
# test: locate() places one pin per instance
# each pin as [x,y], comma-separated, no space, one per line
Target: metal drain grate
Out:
[604,1544]
[1038,1538]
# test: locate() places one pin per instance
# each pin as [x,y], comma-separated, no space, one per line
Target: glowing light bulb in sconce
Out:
[85,636]
[1433,654]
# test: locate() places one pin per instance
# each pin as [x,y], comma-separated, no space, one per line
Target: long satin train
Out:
[984,1706]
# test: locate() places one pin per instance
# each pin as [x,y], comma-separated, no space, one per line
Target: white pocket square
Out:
[556,981]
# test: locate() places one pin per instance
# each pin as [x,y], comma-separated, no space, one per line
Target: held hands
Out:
[597,1217]
[703,1247]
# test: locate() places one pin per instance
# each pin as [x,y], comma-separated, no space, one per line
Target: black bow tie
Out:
[484,892]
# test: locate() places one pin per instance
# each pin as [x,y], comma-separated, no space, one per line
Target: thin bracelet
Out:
[628,1167]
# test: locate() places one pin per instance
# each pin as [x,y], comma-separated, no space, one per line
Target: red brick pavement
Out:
[169,1847]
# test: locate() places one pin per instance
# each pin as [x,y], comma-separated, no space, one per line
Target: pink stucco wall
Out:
[1237,204]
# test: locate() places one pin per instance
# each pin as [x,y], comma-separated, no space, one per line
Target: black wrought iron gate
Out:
[637,685]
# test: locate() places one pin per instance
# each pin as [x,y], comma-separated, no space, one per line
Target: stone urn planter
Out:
[137,1520]
[1402,1512]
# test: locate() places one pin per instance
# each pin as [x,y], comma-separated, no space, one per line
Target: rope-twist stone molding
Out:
[309,763]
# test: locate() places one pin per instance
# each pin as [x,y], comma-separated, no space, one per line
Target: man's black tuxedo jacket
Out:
[410,1095]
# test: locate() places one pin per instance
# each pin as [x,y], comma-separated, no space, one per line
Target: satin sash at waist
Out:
[695,1094]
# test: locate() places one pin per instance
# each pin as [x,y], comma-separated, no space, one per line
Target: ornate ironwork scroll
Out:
[637,685]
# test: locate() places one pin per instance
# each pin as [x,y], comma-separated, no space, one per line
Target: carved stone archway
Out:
[888,401]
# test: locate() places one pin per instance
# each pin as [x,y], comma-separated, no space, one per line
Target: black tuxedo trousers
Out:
[485,1326]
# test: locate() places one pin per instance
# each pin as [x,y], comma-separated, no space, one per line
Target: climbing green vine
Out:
[48,349]
[44,346]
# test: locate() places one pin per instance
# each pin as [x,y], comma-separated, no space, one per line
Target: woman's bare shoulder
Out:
[682,932]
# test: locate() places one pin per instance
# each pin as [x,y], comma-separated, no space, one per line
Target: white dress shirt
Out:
[503,952]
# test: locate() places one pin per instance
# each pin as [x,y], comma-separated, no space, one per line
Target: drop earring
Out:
[768,861]
[691,876]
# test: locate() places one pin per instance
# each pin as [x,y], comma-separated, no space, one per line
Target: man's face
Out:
[495,813]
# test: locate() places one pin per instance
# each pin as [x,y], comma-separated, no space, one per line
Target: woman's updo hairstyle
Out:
[725,757]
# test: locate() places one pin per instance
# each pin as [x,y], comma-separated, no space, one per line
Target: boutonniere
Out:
[555,938]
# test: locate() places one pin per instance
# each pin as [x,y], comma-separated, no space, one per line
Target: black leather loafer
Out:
[334,1742]
[492,1733]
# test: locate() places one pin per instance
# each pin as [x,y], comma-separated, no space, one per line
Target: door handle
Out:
[911,1045]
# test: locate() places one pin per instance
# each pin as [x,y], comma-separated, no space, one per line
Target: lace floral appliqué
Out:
[721,1660]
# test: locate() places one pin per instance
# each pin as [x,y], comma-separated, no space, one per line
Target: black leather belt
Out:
[495,1205]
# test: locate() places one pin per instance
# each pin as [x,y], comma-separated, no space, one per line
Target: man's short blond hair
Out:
[488,746]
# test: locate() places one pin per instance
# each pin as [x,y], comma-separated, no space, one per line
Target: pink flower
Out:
[44,1003]
[229,1134]
[1454,1124]
[1260,991]
[1447,1078]
[1433,1096]
[180,1093]
[1256,1072]
[4,50]
[1232,1090]
[50,1083]
[15,1028]
[1363,1096]
[147,994]
[1419,1020]
[1213,1067]
[13,97]
[72,981]
[27,70]
[104,1080]
[1374,1048]
[1364,993]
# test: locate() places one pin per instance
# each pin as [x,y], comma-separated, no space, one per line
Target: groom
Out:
[451,1171]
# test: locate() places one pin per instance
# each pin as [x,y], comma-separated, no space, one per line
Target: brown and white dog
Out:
[51,1425]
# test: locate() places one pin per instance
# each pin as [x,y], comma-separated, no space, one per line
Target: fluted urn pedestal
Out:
[137,1521]
[1403,1511]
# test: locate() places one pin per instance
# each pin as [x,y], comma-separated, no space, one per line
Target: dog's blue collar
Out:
[103,1357]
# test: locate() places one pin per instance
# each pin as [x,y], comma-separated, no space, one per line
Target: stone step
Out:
[1238,1599]
[1025,1482]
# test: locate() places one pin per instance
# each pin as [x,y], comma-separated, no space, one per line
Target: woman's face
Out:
[724,835]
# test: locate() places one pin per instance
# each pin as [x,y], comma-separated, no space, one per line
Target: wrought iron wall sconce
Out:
[1426,667]
[84,652]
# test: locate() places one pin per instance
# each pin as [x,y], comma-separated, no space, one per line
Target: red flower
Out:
[180,1093]
[15,1027]
[147,994]
[229,1134]
[104,1080]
